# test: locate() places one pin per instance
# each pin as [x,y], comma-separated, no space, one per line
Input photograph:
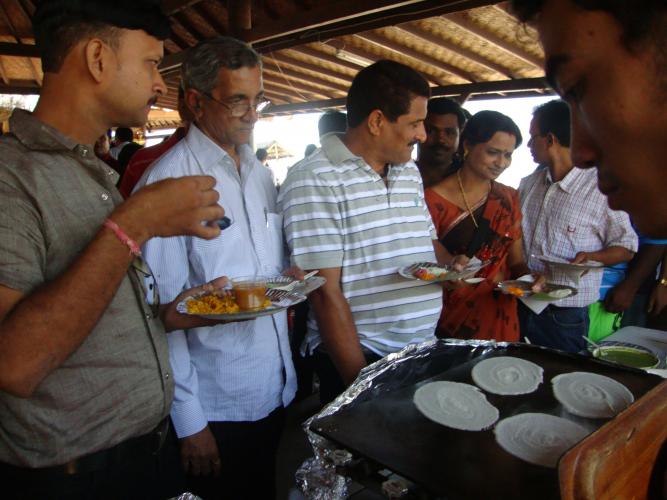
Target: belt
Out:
[122,453]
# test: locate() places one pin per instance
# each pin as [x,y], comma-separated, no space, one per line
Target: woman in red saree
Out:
[476,216]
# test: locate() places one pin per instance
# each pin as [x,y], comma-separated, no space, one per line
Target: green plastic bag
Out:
[602,322]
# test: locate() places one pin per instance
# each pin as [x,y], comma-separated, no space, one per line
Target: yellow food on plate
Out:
[515,291]
[217,304]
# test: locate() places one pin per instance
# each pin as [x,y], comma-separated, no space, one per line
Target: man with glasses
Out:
[85,381]
[232,380]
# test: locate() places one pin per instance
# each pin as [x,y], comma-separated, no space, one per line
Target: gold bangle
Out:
[663,282]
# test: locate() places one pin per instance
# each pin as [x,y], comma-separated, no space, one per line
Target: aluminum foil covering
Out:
[389,373]
[318,480]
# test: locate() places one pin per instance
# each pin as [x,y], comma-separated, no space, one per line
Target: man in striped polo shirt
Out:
[355,210]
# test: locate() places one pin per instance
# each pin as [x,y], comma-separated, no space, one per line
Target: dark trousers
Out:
[331,385]
[248,455]
[561,328]
[138,469]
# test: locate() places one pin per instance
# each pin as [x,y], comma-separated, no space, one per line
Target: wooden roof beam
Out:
[297,87]
[290,95]
[310,52]
[296,76]
[3,73]
[240,17]
[422,58]
[285,59]
[18,49]
[210,19]
[462,20]
[189,26]
[520,86]
[461,51]
[171,7]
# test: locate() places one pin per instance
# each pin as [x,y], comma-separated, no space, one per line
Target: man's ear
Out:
[98,58]
[193,101]
[375,121]
[551,139]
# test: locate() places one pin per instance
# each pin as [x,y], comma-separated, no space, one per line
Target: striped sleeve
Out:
[312,220]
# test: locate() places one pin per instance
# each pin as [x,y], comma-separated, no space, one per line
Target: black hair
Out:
[553,117]
[480,128]
[447,106]
[639,18]
[332,121]
[124,134]
[385,85]
[261,154]
[58,25]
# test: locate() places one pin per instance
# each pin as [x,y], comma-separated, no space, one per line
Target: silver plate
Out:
[447,274]
[527,292]
[280,300]
[569,266]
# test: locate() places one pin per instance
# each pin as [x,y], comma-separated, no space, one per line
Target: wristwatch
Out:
[662,281]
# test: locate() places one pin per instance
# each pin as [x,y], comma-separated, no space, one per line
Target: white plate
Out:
[441,272]
[563,264]
[280,300]
[550,291]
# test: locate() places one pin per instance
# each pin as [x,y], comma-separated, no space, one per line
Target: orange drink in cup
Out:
[249,292]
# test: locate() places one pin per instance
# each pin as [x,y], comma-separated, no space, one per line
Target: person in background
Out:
[444,122]
[143,158]
[657,302]
[102,146]
[233,380]
[355,211]
[629,294]
[475,216]
[310,149]
[565,216]
[122,137]
[85,380]
[331,121]
[263,156]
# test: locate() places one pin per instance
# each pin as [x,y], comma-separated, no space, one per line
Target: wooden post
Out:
[240,17]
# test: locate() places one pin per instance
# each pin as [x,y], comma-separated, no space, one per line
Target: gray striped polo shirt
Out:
[338,212]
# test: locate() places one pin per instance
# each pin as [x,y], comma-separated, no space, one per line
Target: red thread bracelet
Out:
[124,238]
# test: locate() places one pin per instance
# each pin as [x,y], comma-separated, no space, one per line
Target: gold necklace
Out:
[465,200]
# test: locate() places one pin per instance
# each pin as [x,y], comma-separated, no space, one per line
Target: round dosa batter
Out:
[456,405]
[507,375]
[591,395]
[538,438]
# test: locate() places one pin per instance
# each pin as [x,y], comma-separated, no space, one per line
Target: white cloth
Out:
[566,217]
[239,371]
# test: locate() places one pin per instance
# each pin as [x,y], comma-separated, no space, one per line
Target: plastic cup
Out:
[249,292]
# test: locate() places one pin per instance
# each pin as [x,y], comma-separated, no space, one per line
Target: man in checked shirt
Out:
[566,217]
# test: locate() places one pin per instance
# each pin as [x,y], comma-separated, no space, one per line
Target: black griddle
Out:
[384,426]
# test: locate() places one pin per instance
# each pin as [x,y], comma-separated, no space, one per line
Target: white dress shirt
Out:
[238,371]
[566,217]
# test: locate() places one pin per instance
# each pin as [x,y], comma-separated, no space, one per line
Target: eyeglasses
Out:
[241,108]
[148,284]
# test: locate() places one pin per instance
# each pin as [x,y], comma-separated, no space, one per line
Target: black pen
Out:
[224,223]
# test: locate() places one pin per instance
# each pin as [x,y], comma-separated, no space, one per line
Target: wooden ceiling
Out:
[312,49]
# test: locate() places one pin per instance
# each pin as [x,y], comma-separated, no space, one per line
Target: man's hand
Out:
[171,207]
[459,262]
[199,454]
[658,300]
[620,297]
[581,257]
[173,320]
[294,272]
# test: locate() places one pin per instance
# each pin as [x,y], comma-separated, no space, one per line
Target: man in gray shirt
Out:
[85,382]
